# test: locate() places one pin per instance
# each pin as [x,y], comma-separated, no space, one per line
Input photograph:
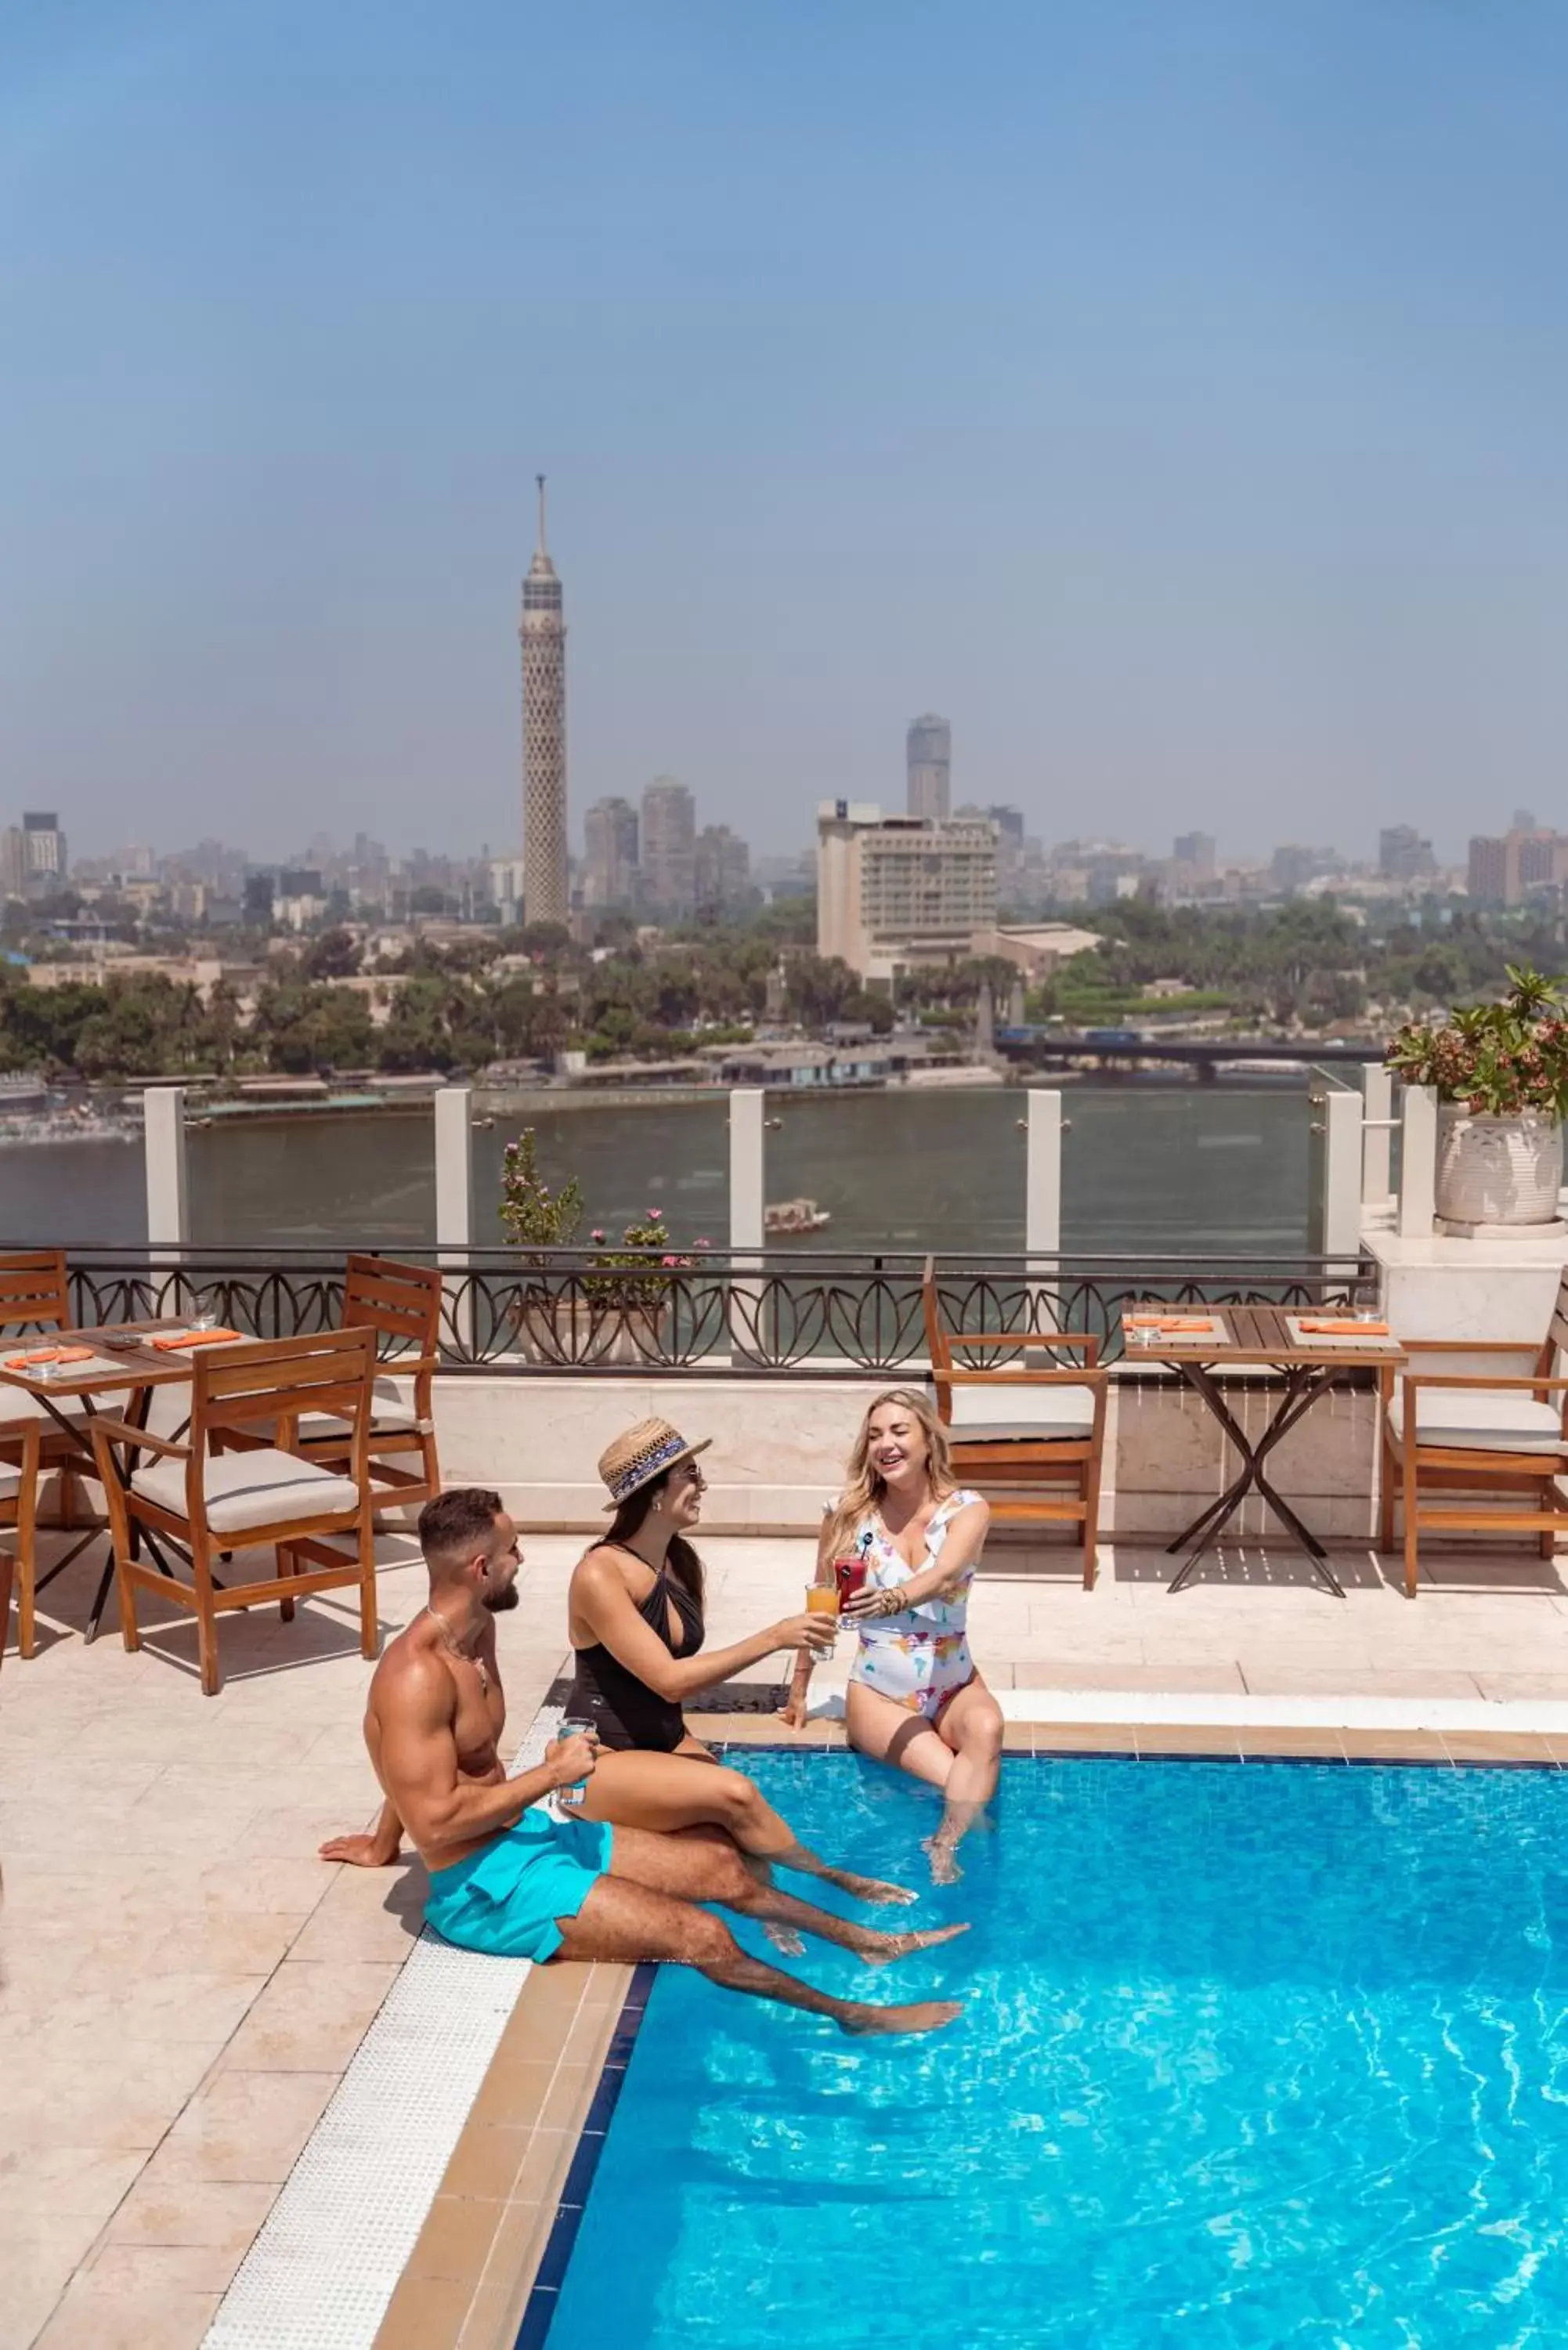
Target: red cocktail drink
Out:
[850,1575]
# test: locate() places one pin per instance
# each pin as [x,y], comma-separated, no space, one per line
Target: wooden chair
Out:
[214,1500]
[1030,1440]
[401,1306]
[18,1504]
[1464,1431]
[34,1299]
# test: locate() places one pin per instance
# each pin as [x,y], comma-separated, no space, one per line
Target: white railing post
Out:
[746,1154]
[1042,1192]
[748,1151]
[1043,1202]
[454,1203]
[1376,1140]
[168,1194]
[1342,1173]
[1418,1161]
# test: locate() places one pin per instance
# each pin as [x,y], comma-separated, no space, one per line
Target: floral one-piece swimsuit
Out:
[919,1657]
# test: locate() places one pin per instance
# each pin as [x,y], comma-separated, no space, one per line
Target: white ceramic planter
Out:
[1498,1170]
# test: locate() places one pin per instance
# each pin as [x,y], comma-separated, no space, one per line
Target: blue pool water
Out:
[1253,2054]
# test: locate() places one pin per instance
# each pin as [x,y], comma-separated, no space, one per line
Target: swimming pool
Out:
[1269,2052]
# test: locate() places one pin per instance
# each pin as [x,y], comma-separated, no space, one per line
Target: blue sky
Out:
[1171,391]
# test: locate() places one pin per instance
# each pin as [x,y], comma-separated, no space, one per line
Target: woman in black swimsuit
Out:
[635,1617]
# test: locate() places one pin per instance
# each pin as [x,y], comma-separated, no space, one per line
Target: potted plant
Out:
[632,1280]
[612,1309]
[552,1319]
[1501,1075]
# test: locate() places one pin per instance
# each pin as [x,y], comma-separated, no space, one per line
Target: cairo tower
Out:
[542,632]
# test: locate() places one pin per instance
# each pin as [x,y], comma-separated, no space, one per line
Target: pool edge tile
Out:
[497,2209]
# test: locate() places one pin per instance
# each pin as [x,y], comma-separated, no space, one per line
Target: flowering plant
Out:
[631,1274]
[1497,1059]
[534,1216]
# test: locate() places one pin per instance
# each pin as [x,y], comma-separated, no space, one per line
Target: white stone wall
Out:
[779,1446]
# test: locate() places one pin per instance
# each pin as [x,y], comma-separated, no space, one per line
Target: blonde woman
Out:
[915,1698]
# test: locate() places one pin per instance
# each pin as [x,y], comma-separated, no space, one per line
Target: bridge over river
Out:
[1108,1049]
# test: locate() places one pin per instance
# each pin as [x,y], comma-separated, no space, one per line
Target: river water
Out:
[1156,1169]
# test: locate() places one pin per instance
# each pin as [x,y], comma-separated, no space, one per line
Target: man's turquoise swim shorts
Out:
[505,1898]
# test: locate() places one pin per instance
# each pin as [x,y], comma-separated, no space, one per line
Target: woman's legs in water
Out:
[644,1909]
[961,1753]
[970,1725]
[706,1855]
[666,1792]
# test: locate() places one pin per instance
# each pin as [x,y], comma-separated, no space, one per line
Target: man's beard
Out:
[498,1602]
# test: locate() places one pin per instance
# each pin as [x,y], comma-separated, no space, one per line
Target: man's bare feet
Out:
[925,2015]
[943,1858]
[903,1946]
[871,1890]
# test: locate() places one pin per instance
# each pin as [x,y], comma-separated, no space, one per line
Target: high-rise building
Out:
[542,632]
[928,757]
[13,862]
[895,891]
[1009,824]
[44,850]
[1403,855]
[668,846]
[1506,868]
[504,883]
[1294,865]
[610,859]
[724,867]
[1196,851]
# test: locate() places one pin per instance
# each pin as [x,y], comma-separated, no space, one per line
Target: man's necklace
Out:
[452,1649]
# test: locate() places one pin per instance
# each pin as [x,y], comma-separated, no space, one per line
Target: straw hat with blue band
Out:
[645,1452]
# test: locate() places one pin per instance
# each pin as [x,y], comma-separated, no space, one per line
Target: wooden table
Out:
[1259,1338]
[124,1362]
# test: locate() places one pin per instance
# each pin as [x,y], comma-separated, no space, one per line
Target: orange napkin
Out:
[48,1354]
[1321,1329]
[173,1338]
[1168,1321]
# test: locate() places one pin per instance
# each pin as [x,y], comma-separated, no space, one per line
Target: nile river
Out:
[1162,1169]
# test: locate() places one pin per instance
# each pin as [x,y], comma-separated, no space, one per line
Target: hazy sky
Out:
[1172,392]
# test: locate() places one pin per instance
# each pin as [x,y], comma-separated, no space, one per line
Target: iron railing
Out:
[723,1313]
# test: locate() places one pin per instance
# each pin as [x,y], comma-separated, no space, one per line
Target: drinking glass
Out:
[573,1726]
[204,1310]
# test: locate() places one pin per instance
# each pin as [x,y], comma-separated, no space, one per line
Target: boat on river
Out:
[784,1217]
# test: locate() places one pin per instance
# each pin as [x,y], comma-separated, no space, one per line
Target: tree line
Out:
[531,994]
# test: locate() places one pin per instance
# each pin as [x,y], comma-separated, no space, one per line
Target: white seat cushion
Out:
[390,1416]
[1480,1419]
[251,1489]
[10,1480]
[1022,1415]
[17,1405]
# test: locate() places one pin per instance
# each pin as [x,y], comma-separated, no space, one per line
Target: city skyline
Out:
[1232,483]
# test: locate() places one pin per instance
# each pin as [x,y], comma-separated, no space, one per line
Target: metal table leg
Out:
[1302,1388]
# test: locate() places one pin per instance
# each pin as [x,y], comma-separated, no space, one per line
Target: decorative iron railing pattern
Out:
[722,1314]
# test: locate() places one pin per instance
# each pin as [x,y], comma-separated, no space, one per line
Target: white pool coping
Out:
[1214,1709]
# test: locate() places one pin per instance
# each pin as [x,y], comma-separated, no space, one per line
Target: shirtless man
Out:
[508,1879]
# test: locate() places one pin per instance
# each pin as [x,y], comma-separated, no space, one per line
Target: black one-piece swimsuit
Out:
[627,1715]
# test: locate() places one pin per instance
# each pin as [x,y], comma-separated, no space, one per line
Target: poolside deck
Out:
[184,1984]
